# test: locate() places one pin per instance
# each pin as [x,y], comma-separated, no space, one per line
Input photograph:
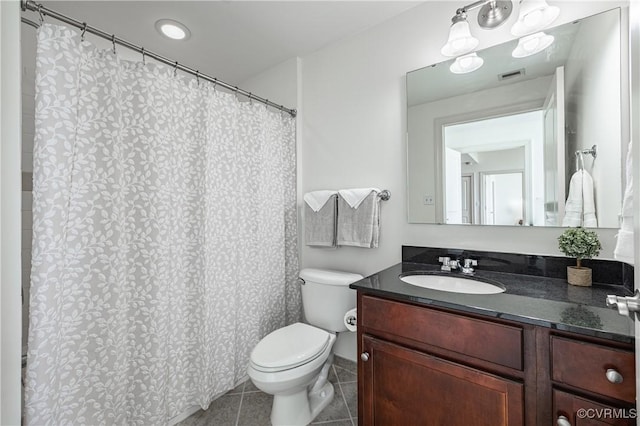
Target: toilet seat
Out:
[289,347]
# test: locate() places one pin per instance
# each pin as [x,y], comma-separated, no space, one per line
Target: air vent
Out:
[511,74]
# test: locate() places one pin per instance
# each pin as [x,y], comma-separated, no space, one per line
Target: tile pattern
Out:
[247,406]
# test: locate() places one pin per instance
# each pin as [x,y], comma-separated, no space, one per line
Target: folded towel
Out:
[359,227]
[624,243]
[320,226]
[354,197]
[317,199]
[573,206]
[580,208]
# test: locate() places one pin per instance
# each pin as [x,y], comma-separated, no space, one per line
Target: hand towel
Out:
[589,219]
[317,199]
[580,208]
[354,197]
[359,227]
[573,206]
[320,225]
[624,243]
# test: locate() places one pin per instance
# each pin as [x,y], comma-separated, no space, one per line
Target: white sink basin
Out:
[452,284]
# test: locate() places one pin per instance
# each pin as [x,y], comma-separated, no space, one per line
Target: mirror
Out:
[500,145]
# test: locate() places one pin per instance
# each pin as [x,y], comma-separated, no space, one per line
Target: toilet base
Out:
[300,408]
[319,400]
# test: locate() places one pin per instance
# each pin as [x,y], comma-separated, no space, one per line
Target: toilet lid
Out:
[289,347]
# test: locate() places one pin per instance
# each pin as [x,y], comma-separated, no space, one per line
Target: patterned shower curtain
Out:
[164,237]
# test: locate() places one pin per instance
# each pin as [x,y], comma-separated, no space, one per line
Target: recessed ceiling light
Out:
[172,29]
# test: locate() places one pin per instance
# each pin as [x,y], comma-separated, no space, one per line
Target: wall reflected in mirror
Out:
[497,146]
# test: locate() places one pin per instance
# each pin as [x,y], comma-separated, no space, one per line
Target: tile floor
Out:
[247,406]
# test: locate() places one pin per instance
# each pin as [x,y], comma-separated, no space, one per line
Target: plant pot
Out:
[579,276]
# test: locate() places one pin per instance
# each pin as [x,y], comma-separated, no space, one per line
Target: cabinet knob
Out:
[614,376]
[364,356]
[563,421]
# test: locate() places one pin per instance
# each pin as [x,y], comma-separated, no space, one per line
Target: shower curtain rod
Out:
[42,10]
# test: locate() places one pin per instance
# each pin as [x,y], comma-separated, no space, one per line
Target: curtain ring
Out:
[266,104]
[84,30]
[198,77]
[40,14]
[215,84]
[250,98]
[113,42]
[175,69]
[144,60]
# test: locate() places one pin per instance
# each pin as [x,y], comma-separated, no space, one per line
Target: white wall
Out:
[354,134]
[10,213]
[594,111]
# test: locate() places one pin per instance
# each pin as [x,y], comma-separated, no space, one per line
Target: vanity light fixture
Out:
[173,29]
[532,44]
[466,63]
[534,16]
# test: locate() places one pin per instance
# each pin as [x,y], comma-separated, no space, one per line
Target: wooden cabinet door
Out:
[579,411]
[401,386]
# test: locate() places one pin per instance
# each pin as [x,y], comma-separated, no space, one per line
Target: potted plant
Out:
[581,244]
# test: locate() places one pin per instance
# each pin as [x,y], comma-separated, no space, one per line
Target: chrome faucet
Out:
[448,264]
[467,268]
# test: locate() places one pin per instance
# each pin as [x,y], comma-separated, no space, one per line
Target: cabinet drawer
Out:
[488,341]
[584,365]
[584,412]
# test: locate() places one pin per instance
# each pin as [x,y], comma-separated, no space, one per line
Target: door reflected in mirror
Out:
[496,146]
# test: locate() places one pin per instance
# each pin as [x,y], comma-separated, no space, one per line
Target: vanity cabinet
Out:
[422,365]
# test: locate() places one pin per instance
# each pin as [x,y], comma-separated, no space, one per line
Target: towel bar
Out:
[384,195]
[580,156]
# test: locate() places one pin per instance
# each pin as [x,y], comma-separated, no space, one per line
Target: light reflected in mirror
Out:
[497,146]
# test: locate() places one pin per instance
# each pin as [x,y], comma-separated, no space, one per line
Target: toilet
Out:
[293,362]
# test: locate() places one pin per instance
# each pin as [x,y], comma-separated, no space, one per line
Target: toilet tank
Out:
[326,297]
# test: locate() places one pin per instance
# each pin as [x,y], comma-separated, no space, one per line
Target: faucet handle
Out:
[470,262]
[446,261]
[468,266]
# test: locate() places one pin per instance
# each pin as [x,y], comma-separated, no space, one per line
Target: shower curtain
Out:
[164,237]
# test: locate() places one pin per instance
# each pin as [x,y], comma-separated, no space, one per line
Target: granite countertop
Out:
[542,301]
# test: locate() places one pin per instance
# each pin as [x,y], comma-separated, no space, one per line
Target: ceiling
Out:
[230,40]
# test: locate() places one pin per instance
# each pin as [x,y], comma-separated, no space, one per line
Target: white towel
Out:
[317,199]
[580,208]
[589,219]
[355,196]
[573,206]
[359,227]
[624,243]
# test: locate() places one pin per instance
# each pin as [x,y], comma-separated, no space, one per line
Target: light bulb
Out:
[172,29]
